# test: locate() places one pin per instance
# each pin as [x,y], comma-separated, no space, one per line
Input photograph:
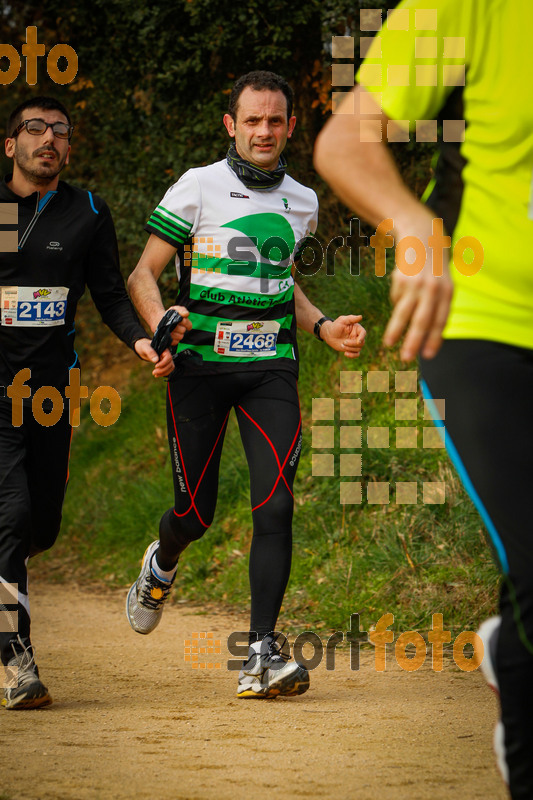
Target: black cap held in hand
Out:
[163,333]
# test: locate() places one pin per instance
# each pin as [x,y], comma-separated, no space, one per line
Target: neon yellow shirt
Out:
[490,41]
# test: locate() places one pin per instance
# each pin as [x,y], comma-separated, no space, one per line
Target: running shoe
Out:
[267,674]
[488,634]
[23,688]
[147,596]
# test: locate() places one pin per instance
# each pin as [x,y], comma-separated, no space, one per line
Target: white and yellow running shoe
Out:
[146,598]
[267,674]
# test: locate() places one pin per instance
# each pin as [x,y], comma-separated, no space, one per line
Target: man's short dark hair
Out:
[46,103]
[259,80]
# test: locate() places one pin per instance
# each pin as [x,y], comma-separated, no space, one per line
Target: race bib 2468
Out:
[246,339]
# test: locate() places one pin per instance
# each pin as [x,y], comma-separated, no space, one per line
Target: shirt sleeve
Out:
[105,280]
[176,218]
[418,58]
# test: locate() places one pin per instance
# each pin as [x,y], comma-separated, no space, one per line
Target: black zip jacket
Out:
[67,239]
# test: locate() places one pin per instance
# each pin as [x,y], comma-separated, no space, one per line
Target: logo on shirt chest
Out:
[54,246]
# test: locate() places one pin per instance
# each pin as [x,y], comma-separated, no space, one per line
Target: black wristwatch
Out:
[318,325]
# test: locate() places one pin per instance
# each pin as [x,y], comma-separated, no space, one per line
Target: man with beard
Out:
[65,241]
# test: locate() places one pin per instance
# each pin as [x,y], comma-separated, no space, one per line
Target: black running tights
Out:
[33,478]
[488,389]
[268,414]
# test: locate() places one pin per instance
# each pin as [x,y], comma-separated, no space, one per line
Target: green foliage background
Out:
[147,102]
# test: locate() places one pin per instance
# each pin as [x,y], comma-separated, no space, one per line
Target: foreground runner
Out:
[66,240]
[225,222]
[484,369]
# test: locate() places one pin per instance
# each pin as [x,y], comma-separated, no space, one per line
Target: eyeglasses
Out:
[38,126]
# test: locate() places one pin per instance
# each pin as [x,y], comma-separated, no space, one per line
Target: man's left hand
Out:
[164,364]
[345,334]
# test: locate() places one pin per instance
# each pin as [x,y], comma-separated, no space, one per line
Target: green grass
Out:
[411,560]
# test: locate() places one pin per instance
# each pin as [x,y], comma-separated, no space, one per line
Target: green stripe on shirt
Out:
[209,323]
[164,211]
[249,269]
[174,231]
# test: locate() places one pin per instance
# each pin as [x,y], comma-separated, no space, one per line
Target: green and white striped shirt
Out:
[235,248]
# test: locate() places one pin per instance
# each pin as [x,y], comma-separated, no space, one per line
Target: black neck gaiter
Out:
[255,177]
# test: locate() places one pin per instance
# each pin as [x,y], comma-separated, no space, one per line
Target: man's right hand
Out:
[182,327]
[165,365]
[421,302]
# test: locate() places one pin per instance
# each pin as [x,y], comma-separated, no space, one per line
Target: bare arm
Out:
[144,291]
[343,334]
[142,283]
[365,177]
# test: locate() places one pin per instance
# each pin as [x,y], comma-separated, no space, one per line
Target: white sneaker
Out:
[146,598]
[23,687]
[488,633]
[267,674]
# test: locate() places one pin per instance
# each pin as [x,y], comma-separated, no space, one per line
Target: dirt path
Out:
[131,719]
